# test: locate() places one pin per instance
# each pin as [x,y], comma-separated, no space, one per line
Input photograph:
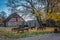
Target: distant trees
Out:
[3,15]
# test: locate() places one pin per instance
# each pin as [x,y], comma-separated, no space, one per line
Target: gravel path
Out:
[41,37]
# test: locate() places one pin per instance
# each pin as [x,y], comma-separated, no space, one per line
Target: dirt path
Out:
[41,37]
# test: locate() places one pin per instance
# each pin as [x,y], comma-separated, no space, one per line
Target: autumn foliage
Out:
[1,21]
[54,16]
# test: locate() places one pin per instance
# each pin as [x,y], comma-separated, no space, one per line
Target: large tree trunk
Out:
[37,17]
[39,21]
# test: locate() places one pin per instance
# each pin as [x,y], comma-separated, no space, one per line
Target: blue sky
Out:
[2,4]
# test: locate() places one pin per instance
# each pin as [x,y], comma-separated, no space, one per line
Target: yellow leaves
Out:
[48,15]
[54,16]
[1,21]
[37,14]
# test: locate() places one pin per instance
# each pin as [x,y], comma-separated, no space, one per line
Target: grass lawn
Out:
[7,33]
[18,35]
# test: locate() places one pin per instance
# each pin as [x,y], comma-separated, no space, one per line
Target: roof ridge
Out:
[12,15]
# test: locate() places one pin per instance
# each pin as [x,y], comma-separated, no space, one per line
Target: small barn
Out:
[32,23]
[14,20]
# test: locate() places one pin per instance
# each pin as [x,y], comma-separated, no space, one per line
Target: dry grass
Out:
[6,32]
[7,29]
[47,29]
